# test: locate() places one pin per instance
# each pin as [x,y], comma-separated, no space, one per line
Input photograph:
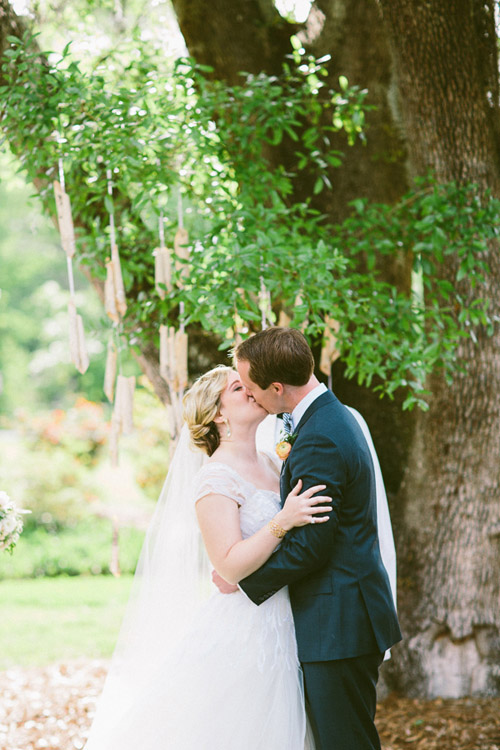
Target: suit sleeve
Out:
[315,460]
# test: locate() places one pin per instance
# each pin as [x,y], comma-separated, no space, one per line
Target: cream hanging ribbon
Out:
[111,369]
[299,300]
[173,369]
[284,320]
[173,344]
[181,247]
[239,327]
[265,306]
[115,303]
[163,263]
[173,357]
[78,349]
[122,419]
[329,351]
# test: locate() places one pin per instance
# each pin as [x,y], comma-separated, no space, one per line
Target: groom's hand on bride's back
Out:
[223,586]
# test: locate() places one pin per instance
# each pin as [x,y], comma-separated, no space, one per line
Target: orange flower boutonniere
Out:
[284,446]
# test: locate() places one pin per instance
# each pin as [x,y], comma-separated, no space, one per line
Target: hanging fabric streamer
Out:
[163,263]
[329,351]
[111,368]
[167,353]
[181,360]
[182,253]
[163,271]
[122,419]
[299,301]
[284,319]
[121,304]
[240,327]
[115,302]
[109,292]
[265,305]
[181,249]
[124,403]
[174,357]
[65,219]
[173,344]
[78,351]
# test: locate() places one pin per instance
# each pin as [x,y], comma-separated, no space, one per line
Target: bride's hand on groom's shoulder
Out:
[301,508]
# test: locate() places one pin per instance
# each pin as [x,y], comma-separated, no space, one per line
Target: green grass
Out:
[57,619]
[81,550]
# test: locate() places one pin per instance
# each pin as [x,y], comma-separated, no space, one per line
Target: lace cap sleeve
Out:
[218,479]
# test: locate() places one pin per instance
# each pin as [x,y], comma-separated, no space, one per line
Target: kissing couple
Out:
[285,654]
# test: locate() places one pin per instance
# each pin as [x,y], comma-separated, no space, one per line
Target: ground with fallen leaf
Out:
[52,708]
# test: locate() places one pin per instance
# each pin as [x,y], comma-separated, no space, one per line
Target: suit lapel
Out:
[325,398]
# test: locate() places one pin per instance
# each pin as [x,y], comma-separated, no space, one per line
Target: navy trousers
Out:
[341,702]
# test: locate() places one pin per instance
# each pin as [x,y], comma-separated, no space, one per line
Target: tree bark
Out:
[449,504]
[257,39]
[354,35]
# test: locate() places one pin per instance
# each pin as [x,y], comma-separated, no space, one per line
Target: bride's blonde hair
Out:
[201,406]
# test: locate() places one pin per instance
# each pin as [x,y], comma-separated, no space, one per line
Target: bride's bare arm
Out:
[235,558]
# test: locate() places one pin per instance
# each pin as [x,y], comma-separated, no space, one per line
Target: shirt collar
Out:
[305,403]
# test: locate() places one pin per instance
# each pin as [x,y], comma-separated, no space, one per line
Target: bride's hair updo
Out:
[201,406]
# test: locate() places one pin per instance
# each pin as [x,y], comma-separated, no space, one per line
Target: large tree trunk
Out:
[449,504]
[354,35]
[256,38]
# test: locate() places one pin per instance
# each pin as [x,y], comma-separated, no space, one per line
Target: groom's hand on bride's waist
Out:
[223,586]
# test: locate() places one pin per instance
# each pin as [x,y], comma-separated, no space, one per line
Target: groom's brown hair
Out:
[277,355]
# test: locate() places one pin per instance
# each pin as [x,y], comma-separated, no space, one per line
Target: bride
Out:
[195,669]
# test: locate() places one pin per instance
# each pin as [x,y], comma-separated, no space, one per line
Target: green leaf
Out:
[318,186]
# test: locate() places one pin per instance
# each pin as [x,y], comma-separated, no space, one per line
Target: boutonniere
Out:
[284,446]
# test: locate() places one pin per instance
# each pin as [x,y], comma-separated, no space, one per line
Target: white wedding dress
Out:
[195,669]
[233,681]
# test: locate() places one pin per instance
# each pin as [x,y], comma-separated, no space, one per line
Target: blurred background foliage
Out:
[54,422]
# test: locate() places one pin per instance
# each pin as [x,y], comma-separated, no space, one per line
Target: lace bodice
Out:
[257,506]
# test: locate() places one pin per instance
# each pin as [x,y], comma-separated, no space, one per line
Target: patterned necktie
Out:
[287,422]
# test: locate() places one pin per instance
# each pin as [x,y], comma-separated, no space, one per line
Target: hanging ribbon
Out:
[299,300]
[109,293]
[173,344]
[64,218]
[181,248]
[284,320]
[163,263]
[78,350]
[114,291]
[122,419]
[167,353]
[111,369]
[174,357]
[329,351]
[265,305]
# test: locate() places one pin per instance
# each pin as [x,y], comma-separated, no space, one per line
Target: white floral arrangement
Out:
[11,522]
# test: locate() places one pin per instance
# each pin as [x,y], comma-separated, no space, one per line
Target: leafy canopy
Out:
[175,133]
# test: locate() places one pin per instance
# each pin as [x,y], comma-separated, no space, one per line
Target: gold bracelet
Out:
[276,530]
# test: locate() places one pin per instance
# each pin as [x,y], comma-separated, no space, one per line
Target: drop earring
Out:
[228,429]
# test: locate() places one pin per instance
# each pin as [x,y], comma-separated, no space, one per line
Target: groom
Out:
[339,589]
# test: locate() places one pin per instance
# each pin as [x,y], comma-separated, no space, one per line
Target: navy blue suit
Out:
[339,589]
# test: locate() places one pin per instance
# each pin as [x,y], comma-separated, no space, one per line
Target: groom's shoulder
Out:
[328,415]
